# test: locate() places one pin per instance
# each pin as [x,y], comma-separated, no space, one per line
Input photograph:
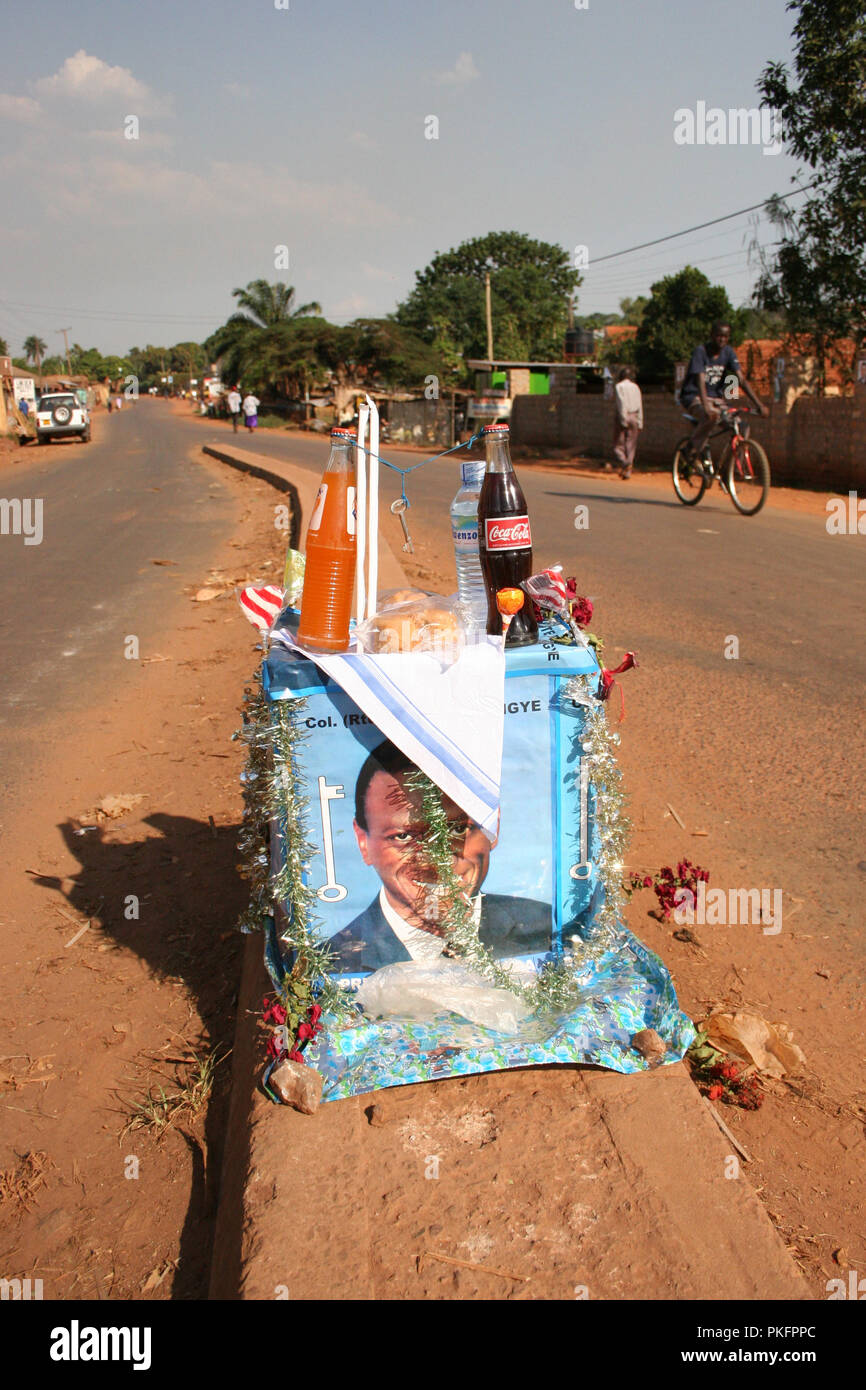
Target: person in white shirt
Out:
[628,422]
[250,408]
[233,401]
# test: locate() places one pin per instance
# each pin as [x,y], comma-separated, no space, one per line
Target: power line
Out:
[612,256]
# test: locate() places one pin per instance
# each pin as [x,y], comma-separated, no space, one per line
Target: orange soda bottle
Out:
[329,576]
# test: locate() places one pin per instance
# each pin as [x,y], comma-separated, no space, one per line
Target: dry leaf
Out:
[204,595]
[156,1276]
[745,1034]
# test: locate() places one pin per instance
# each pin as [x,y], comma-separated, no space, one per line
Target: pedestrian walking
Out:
[233,401]
[628,421]
[250,408]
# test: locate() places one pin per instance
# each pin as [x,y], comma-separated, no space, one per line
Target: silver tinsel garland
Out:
[273,792]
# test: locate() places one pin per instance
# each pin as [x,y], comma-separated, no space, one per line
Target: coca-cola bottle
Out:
[504,537]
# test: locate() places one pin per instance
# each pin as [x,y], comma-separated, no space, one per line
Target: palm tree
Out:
[33,351]
[269,305]
[253,344]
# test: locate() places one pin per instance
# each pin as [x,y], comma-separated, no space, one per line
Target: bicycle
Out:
[743,470]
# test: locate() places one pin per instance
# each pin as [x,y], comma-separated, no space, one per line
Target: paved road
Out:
[794,596]
[110,508]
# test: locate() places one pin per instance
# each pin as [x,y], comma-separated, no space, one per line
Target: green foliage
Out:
[618,352]
[34,348]
[531,282]
[90,362]
[4,348]
[268,343]
[632,310]
[678,317]
[763,323]
[395,356]
[817,275]
[594,321]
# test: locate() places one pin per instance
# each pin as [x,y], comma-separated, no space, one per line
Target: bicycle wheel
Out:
[747,475]
[690,481]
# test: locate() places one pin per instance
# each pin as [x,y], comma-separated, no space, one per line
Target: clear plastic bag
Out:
[409,620]
[422,989]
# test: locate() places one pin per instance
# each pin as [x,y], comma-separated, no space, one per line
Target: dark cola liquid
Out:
[505,543]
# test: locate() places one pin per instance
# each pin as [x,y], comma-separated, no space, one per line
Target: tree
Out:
[4,348]
[632,310]
[678,317]
[268,305]
[34,350]
[531,282]
[817,275]
[253,341]
[395,357]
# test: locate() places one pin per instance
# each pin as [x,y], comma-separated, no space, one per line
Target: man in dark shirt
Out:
[713,370]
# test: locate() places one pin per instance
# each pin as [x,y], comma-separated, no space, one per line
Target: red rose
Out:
[647,883]
[715,1091]
[315,1014]
[304,1032]
[581,611]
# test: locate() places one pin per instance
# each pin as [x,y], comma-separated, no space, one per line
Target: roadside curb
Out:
[235,460]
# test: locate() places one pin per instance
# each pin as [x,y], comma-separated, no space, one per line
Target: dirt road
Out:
[118,951]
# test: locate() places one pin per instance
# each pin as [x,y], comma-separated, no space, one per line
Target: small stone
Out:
[648,1043]
[297,1085]
[376,1115]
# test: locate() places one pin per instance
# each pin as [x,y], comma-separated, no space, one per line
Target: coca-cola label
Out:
[507,533]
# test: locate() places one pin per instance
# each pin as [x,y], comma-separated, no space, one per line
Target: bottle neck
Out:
[498,453]
[342,456]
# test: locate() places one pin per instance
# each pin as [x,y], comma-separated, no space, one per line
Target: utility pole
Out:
[66,332]
[489,317]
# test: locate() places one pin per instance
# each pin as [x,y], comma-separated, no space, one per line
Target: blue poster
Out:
[533,890]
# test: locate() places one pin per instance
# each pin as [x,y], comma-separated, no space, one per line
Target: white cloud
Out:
[374,273]
[362,140]
[352,305]
[106,186]
[87,78]
[237,89]
[19,108]
[148,141]
[463,71]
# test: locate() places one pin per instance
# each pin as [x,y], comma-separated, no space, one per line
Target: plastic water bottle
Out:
[464,531]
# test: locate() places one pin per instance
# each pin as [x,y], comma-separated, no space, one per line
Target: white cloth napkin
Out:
[449,720]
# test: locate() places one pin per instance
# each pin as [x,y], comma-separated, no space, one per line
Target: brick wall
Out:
[817,443]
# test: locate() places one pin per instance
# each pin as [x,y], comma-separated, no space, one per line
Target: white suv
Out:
[60,413]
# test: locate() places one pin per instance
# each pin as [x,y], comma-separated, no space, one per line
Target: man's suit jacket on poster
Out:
[509,927]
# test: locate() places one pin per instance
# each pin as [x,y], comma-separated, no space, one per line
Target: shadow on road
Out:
[620,497]
[189,895]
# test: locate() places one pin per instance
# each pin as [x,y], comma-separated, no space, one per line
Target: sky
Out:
[306,127]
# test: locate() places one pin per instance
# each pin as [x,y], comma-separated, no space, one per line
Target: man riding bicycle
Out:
[706,390]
